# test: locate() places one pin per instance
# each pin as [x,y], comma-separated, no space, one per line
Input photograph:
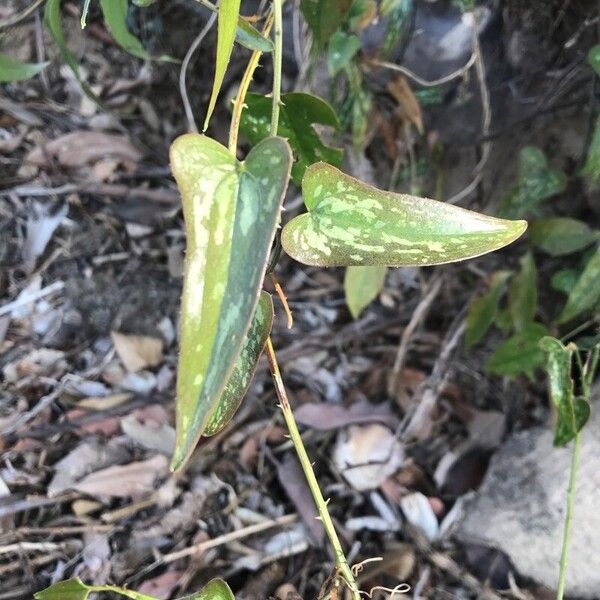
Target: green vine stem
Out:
[564,555]
[277,63]
[324,516]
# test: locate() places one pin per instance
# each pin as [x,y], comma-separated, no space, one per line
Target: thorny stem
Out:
[309,474]
[277,62]
[564,555]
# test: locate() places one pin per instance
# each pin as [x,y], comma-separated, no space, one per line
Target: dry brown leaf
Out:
[408,106]
[162,587]
[104,402]
[137,351]
[324,416]
[367,455]
[121,481]
[81,148]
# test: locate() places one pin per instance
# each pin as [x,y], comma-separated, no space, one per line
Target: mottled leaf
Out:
[323,18]
[536,182]
[361,286]
[215,589]
[585,295]
[299,112]
[520,353]
[14,70]
[229,13]
[572,413]
[591,169]
[245,366]
[231,211]
[342,49]
[483,310]
[399,23]
[351,223]
[559,236]
[522,294]
[594,58]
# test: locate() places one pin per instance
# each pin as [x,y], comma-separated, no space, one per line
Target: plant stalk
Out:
[277,64]
[321,504]
[564,556]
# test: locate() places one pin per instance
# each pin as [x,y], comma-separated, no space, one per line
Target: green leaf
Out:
[362,285]
[72,589]
[483,310]
[522,294]
[342,49]
[298,114]
[564,280]
[14,70]
[536,182]
[585,296]
[559,236]
[351,223]
[572,413]
[215,589]
[591,169]
[399,15]
[323,18]
[231,210]
[52,17]
[520,353]
[229,13]
[244,369]
[252,39]
[594,58]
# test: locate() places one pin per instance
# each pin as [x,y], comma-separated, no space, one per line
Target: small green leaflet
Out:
[342,49]
[299,112]
[522,294]
[250,38]
[564,280]
[594,58]
[483,310]
[361,286]
[585,295]
[559,236]
[231,210]
[323,18]
[591,169]
[215,589]
[229,13]
[536,182]
[351,223]
[244,369]
[573,413]
[75,589]
[14,70]
[520,353]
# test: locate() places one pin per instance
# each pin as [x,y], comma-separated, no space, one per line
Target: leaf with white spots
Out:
[244,369]
[231,211]
[351,223]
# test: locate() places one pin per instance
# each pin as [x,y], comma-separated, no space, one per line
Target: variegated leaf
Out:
[231,210]
[351,223]
[242,374]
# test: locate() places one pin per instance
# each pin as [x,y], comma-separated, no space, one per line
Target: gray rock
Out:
[520,507]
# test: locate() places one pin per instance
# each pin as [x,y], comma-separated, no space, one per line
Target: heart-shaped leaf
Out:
[351,223]
[361,286]
[572,413]
[231,210]
[299,111]
[242,374]
[559,236]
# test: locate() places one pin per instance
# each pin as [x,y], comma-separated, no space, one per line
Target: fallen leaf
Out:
[324,416]
[104,402]
[149,433]
[162,587]
[137,351]
[42,221]
[132,480]
[367,454]
[418,512]
[408,106]
[81,148]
